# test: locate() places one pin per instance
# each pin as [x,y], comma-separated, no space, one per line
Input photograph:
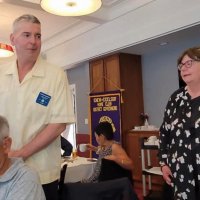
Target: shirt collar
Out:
[38,68]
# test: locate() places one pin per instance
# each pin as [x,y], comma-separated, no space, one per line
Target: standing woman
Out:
[179,151]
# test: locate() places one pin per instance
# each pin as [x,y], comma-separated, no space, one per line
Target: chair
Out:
[117,189]
[111,170]
[62,178]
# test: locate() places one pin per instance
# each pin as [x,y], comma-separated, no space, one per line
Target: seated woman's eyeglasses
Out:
[187,64]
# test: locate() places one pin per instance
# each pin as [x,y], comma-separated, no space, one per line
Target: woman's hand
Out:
[167,174]
[91,147]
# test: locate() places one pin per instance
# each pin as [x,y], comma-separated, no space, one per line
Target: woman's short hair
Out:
[105,128]
[193,53]
[4,128]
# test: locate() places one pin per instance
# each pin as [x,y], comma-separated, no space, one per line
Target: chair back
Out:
[111,170]
[62,179]
[117,189]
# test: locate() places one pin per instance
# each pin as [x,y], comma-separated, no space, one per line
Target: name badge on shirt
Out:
[43,99]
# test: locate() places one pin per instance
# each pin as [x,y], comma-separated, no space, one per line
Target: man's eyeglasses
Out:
[187,64]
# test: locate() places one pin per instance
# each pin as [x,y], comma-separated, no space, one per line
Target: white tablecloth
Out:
[78,169]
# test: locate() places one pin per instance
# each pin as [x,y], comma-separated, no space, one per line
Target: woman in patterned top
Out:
[108,149]
[179,151]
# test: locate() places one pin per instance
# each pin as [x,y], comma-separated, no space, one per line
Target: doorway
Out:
[70,131]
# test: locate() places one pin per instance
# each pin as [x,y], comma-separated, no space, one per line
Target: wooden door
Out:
[112,73]
[97,76]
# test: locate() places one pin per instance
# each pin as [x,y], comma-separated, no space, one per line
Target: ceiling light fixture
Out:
[71,7]
[163,43]
[6,50]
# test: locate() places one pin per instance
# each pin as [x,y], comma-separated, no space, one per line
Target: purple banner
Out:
[105,107]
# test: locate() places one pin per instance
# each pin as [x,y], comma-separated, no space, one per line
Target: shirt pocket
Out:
[37,110]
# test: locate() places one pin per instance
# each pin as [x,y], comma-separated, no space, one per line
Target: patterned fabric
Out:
[20,182]
[180,144]
[102,153]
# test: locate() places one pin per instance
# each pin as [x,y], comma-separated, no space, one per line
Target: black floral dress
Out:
[180,144]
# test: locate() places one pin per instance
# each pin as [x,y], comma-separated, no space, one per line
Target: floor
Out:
[139,192]
[154,196]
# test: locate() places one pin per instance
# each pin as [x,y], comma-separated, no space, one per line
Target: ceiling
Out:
[158,43]
[55,27]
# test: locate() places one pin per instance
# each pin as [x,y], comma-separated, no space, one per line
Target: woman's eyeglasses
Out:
[187,64]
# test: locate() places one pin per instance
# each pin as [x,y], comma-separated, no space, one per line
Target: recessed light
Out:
[163,43]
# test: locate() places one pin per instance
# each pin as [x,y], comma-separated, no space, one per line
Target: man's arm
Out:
[42,139]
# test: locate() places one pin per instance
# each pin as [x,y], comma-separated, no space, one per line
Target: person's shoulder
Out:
[30,174]
[24,172]
[25,182]
[8,60]
[54,74]
[5,64]
[50,67]
[181,92]
[116,145]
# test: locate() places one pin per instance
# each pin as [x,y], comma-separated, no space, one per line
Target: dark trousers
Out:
[51,190]
[168,193]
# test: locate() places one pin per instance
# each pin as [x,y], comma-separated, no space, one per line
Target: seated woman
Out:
[108,149]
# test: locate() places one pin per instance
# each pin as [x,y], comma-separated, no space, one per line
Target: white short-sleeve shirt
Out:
[43,97]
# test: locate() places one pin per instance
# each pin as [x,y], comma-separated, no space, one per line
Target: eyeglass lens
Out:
[187,64]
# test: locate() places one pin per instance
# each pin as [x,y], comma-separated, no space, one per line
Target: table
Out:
[78,169]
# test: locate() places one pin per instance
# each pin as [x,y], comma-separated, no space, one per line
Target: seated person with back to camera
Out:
[66,146]
[17,181]
[111,152]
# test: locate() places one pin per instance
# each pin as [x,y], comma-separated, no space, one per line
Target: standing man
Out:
[36,100]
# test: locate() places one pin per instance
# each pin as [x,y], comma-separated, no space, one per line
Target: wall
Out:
[80,77]
[145,23]
[160,79]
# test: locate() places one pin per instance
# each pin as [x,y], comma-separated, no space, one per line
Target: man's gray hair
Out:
[4,128]
[26,18]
